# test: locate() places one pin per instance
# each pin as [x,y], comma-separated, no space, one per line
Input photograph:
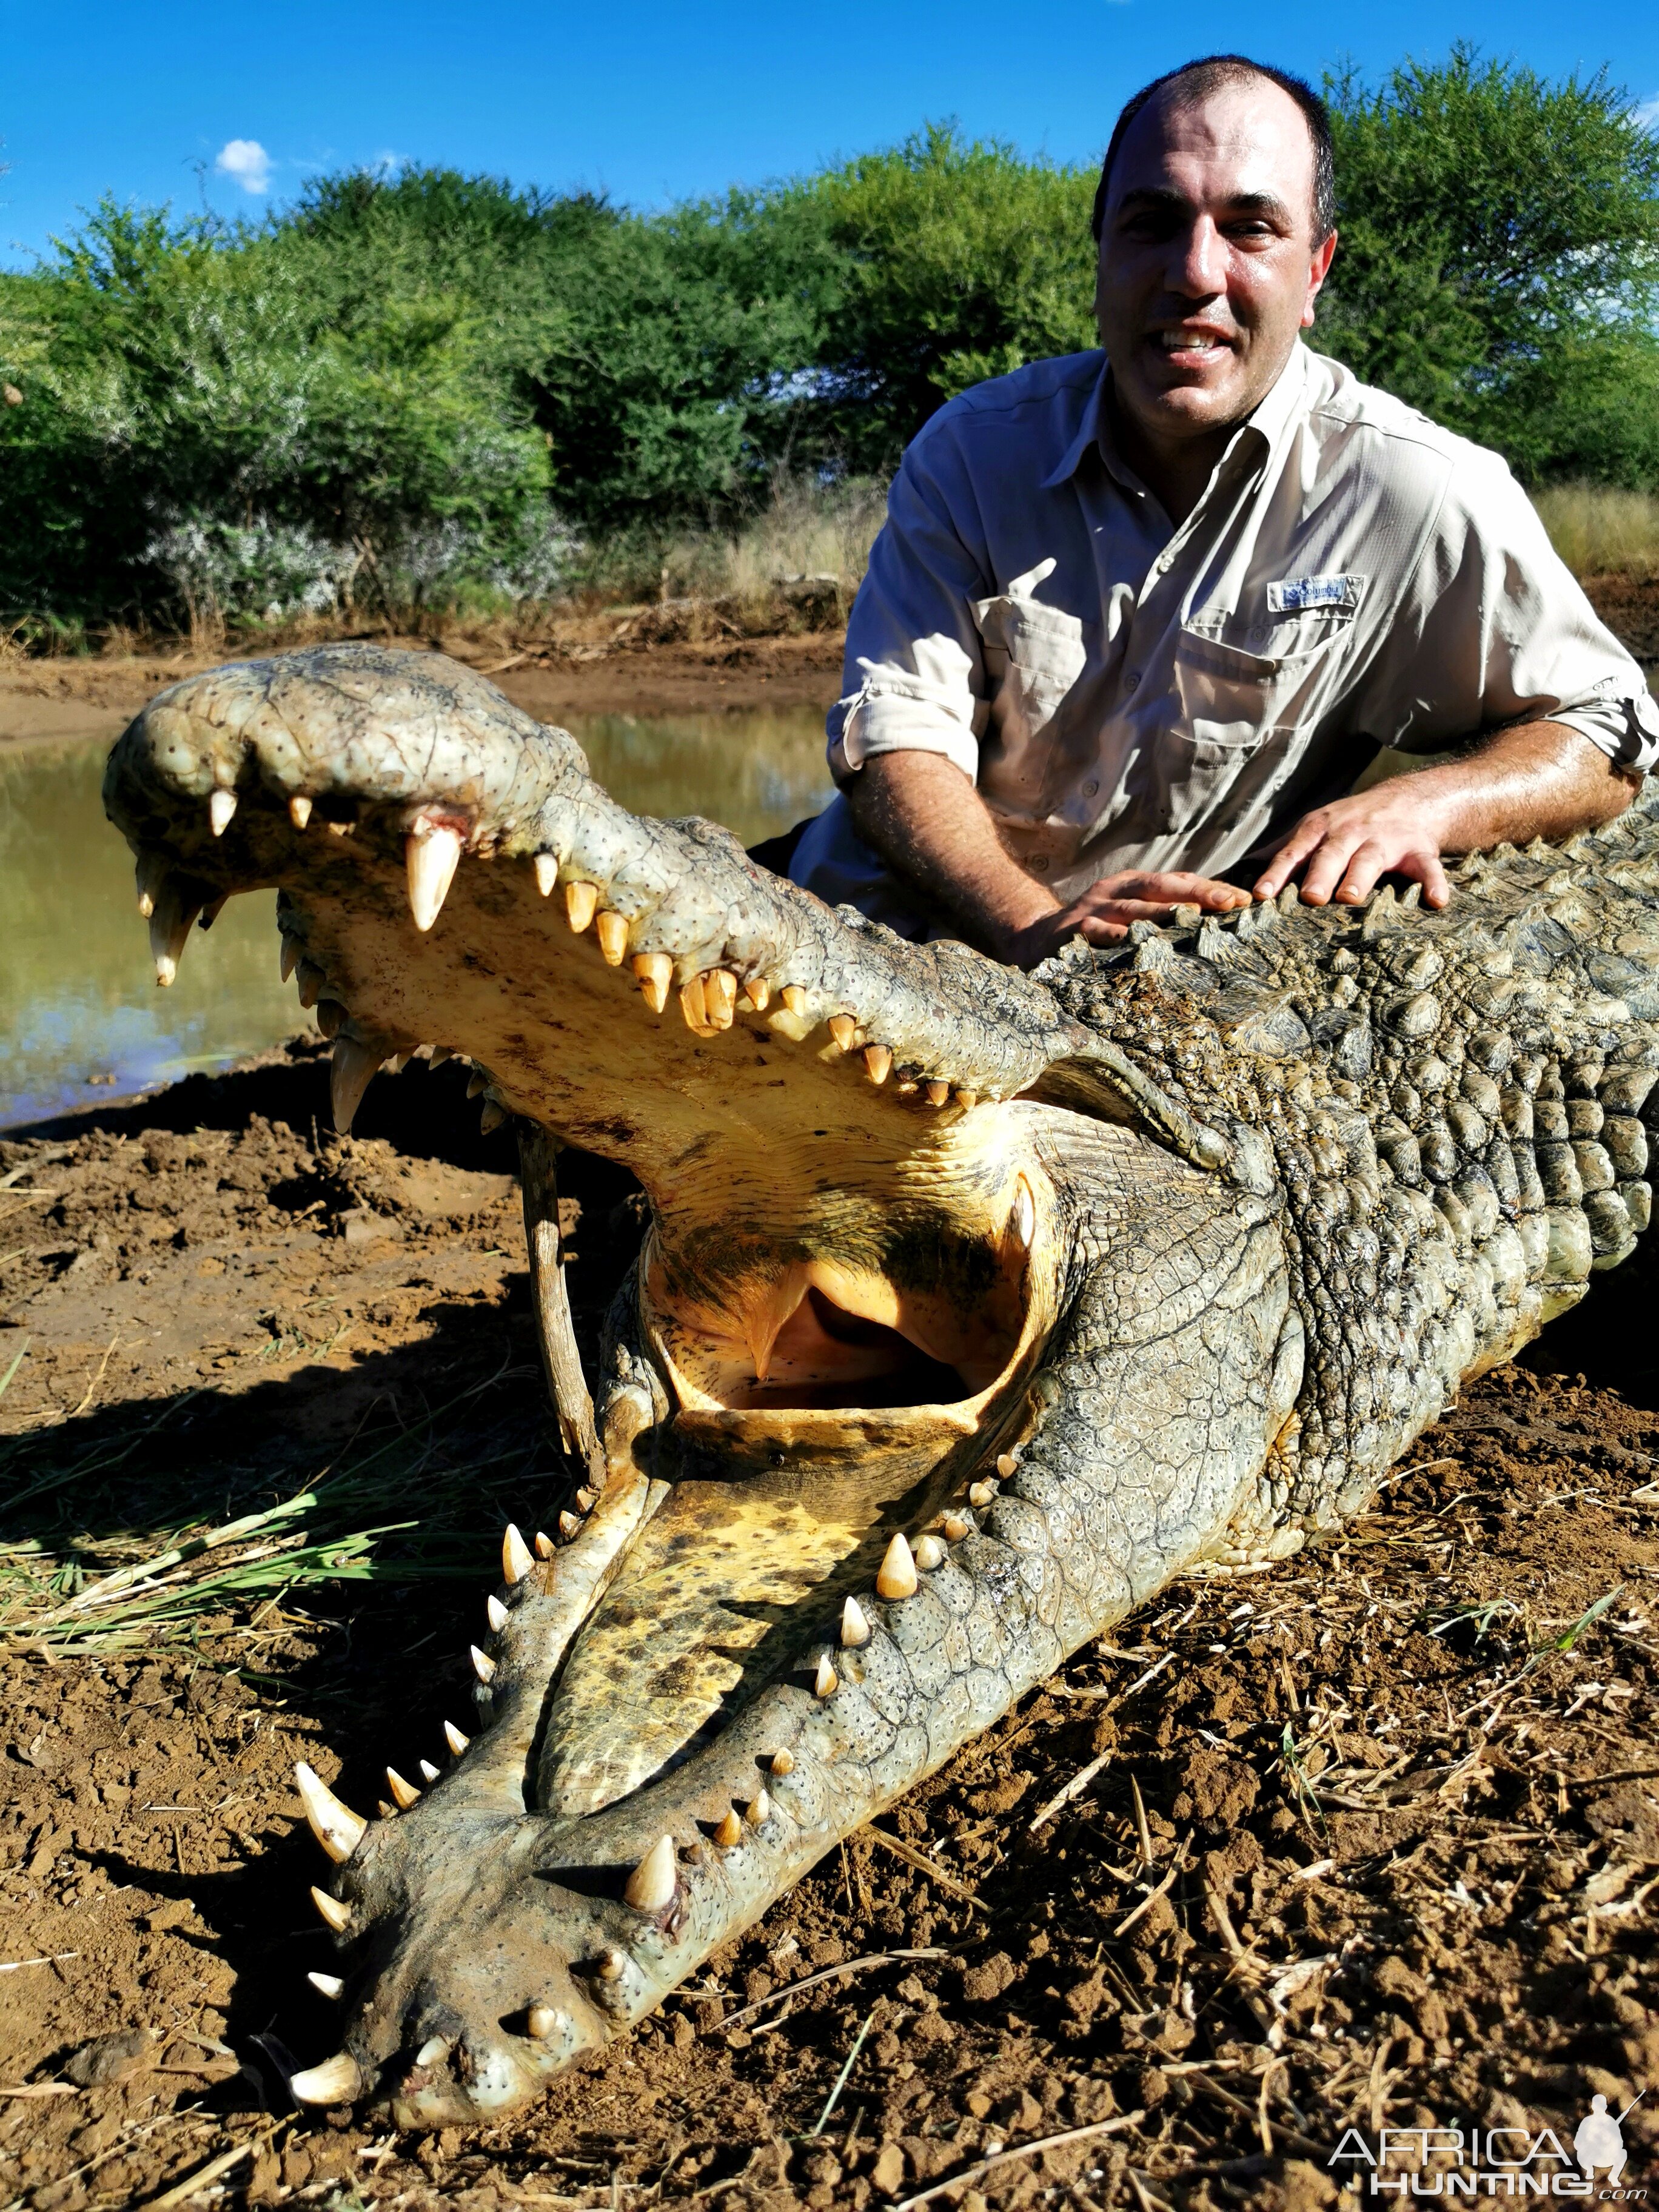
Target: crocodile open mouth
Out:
[804,1482]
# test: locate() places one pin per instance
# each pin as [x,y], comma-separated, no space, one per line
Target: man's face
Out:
[1208,265]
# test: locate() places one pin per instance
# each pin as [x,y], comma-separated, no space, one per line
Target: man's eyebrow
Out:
[1164,199]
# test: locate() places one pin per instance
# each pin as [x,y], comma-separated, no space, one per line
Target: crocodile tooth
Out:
[483,1665]
[299,809]
[730,1830]
[290,957]
[967,1100]
[403,1794]
[517,1559]
[878,1062]
[656,973]
[496,1612]
[330,1015]
[150,872]
[720,997]
[930,1553]
[338,2081]
[651,1886]
[429,1772]
[169,927]
[694,1004]
[544,1546]
[955,1528]
[1006,1464]
[938,1093]
[311,980]
[794,998]
[826,1682]
[351,1070]
[547,872]
[336,1827]
[543,2020]
[477,1083]
[580,902]
[980,1493]
[328,1985]
[612,930]
[432,852]
[491,1116]
[844,1029]
[1025,1215]
[453,1736]
[758,992]
[895,1577]
[221,806]
[758,1811]
[432,2051]
[386,1812]
[440,1053]
[609,1967]
[854,1628]
[783,1762]
[337,1914]
[587,1500]
[569,1524]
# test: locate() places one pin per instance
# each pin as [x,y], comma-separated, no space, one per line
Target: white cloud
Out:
[1647,113]
[247,162]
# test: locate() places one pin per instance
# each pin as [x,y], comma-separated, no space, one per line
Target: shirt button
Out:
[1090,787]
[1132,681]
[1258,629]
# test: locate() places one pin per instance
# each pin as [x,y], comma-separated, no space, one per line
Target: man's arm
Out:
[924,818]
[1531,779]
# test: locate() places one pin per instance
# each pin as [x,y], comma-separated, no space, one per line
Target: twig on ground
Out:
[972,2173]
[923,1864]
[1075,1788]
[823,1974]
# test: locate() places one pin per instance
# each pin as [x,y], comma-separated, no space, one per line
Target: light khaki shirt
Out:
[1129,693]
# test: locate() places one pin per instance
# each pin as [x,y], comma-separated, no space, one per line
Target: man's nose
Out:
[1197,262]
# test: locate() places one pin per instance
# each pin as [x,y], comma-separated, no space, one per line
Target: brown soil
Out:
[1629,607]
[641,661]
[1402,1845]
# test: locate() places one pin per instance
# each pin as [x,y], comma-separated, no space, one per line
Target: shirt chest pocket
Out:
[1034,656]
[1239,683]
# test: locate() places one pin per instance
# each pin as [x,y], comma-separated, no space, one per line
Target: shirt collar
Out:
[1274,418]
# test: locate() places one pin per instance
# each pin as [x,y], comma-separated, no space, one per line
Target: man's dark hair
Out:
[1195,80]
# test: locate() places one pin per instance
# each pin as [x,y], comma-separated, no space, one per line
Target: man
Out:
[1137,625]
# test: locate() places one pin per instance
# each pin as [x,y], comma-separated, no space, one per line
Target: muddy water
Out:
[80,1015]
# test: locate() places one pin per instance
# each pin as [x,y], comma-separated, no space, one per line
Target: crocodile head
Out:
[952,1337]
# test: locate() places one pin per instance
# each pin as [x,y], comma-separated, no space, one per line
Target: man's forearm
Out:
[1534,780]
[928,821]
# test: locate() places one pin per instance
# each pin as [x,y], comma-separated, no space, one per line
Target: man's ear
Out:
[1318,269]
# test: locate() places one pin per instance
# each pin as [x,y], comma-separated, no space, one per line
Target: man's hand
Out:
[1533,779]
[1103,913]
[1344,847]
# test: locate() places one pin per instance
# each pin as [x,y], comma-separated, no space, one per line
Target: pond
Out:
[81,1017]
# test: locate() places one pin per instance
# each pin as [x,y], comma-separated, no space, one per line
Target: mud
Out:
[1402,1821]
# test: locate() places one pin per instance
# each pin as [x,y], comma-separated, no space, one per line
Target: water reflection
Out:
[80,1015]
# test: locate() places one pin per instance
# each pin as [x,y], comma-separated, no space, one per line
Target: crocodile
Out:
[972,1306]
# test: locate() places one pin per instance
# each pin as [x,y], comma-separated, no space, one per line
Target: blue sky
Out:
[647,101]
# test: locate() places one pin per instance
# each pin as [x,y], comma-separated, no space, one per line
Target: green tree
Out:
[1498,262]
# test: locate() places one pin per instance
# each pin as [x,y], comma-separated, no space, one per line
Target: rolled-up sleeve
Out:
[1494,628]
[913,677]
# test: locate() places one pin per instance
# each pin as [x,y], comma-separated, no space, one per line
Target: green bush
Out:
[436,390]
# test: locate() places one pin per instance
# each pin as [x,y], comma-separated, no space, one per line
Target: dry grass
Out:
[1601,531]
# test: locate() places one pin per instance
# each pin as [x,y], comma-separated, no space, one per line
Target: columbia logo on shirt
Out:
[1292,595]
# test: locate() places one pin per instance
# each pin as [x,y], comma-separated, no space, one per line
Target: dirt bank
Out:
[1400,1806]
[625,667]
